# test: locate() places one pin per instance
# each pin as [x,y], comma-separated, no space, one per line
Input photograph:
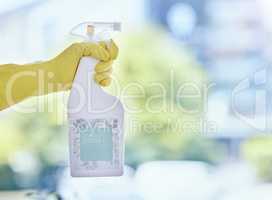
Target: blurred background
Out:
[222,46]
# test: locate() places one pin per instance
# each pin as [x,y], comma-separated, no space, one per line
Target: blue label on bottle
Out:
[96,144]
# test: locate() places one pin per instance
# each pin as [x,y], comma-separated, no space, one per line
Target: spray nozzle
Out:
[101,30]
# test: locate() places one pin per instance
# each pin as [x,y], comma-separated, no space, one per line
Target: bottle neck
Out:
[90,37]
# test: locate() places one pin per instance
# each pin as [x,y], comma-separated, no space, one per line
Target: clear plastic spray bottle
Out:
[95,117]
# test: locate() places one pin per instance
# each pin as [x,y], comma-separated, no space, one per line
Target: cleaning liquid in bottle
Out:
[95,117]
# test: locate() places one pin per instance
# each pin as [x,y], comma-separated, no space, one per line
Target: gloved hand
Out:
[17,82]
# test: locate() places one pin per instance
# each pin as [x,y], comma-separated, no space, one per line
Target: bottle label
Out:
[96,143]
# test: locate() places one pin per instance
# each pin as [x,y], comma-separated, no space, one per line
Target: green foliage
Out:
[38,133]
[258,151]
[31,142]
[152,68]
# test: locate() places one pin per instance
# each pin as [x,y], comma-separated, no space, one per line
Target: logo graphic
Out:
[256,84]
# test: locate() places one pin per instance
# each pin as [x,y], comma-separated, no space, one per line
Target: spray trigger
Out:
[97,30]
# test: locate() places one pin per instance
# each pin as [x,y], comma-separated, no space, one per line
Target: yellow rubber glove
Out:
[18,82]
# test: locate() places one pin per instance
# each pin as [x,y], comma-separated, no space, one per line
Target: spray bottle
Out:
[95,117]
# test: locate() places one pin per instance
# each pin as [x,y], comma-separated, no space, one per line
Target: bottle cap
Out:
[90,29]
